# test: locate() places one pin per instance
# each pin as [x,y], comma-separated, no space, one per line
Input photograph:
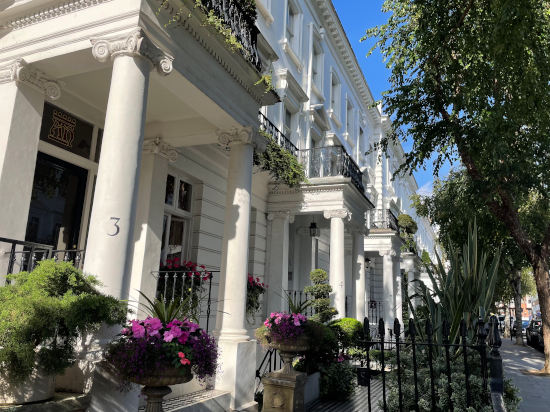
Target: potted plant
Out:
[42,314]
[286,333]
[254,290]
[166,348]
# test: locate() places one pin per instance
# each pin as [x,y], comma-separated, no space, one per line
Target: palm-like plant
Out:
[463,291]
[168,311]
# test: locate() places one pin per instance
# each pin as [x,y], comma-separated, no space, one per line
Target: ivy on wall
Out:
[281,165]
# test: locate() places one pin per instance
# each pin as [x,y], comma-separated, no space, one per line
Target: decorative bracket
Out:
[158,146]
[21,72]
[136,43]
[242,135]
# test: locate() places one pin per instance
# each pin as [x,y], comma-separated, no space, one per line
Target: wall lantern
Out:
[314,231]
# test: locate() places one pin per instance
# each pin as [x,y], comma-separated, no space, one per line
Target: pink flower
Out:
[183,359]
[175,322]
[183,337]
[137,329]
[125,331]
[174,332]
[153,325]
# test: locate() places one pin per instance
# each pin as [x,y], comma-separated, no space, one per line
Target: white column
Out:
[399,294]
[110,239]
[238,352]
[22,91]
[278,261]
[411,289]
[359,275]
[337,275]
[387,282]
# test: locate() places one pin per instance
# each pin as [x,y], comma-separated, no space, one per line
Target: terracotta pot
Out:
[38,387]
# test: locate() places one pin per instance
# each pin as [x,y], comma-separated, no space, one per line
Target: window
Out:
[349,118]
[291,20]
[317,66]
[176,227]
[335,94]
[287,123]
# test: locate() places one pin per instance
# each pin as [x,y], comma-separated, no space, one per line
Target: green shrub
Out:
[320,290]
[349,332]
[43,312]
[337,381]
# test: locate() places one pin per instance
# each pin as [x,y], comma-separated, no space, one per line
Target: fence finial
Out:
[446,331]
[381,327]
[396,328]
[429,328]
[412,329]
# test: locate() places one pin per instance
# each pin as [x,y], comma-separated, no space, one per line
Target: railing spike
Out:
[463,328]
[381,327]
[396,327]
[446,330]
[429,328]
[412,328]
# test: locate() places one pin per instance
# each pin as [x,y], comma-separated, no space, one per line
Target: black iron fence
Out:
[267,126]
[383,219]
[425,370]
[331,161]
[270,363]
[300,297]
[242,25]
[24,256]
[192,288]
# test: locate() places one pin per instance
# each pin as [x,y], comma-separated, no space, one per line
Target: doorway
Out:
[57,201]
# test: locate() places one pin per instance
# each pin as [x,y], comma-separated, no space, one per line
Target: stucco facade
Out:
[127,132]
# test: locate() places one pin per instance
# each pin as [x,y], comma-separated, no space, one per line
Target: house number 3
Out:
[116,228]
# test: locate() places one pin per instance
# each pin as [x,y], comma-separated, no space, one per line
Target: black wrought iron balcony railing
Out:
[24,256]
[267,126]
[383,219]
[331,161]
[242,25]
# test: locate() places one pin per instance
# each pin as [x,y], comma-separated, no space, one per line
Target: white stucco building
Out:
[127,132]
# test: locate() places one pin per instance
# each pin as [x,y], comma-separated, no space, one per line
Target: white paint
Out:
[359,275]
[278,262]
[337,274]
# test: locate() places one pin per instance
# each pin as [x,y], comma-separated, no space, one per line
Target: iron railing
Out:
[424,363]
[383,219]
[331,161]
[192,288]
[299,297]
[24,256]
[270,363]
[242,26]
[267,126]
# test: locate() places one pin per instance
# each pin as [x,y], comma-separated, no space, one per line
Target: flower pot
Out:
[288,351]
[38,387]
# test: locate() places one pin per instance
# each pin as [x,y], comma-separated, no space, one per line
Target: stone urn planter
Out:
[156,385]
[38,387]
[288,350]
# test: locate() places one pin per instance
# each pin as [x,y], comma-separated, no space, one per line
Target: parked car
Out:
[534,333]
[524,324]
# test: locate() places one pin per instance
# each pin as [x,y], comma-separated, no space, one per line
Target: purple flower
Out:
[137,329]
[153,326]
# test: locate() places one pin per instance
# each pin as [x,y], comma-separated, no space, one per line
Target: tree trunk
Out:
[516,283]
[507,330]
[543,289]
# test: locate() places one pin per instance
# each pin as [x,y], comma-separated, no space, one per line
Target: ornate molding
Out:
[44,14]
[158,146]
[338,213]
[135,43]
[388,252]
[21,72]
[241,135]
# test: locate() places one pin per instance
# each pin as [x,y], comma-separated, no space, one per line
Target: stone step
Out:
[207,400]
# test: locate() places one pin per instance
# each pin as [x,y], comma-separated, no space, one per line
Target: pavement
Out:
[534,390]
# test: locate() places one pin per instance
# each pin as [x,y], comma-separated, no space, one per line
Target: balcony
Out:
[331,161]
[242,25]
[383,219]
[268,127]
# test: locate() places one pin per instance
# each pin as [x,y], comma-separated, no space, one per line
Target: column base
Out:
[238,371]
[284,393]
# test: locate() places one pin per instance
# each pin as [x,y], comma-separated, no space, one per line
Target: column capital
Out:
[388,252]
[158,146]
[135,43]
[21,72]
[338,213]
[240,135]
[281,215]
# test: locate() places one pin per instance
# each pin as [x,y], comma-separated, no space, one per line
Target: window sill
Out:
[293,56]
[317,92]
[268,17]
[335,119]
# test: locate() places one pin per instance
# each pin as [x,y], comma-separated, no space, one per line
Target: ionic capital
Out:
[158,146]
[135,43]
[19,71]
[338,213]
[281,215]
[388,252]
[241,135]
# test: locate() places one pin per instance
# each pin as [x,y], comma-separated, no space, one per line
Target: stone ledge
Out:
[61,402]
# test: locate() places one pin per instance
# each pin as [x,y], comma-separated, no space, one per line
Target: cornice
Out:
[49,13]
[135,43]
[19,71]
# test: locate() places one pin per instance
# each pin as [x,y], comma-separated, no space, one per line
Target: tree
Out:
[320,291]
[452,205]
[471,80]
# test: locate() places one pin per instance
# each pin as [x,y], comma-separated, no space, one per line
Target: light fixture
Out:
[314,231]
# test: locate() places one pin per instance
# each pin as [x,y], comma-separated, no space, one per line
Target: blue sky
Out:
[356,17]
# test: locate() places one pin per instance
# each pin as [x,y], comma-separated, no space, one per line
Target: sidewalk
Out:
[534,390]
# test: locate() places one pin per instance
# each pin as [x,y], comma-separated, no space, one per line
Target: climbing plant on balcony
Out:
[282,165]
[407,229]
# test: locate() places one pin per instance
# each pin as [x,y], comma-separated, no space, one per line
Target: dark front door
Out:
[56,205]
